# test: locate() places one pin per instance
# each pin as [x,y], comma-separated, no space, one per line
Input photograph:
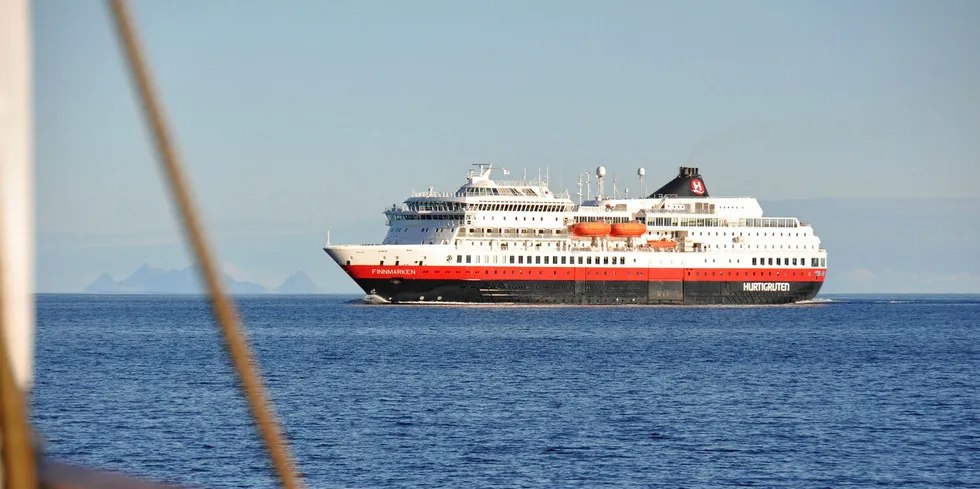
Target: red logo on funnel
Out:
[697,187]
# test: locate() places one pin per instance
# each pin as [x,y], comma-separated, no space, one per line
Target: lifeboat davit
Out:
[662,243]
[633,229]
[591,229]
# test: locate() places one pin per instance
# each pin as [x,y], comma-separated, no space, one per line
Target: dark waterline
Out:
[864,391]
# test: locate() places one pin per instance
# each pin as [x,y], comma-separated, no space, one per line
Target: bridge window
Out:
[512,258]
[778,261]
[794,262]
[622,260]
[467,258]
[823,262]
[588,260]
[520,259]
[562,260]
[605,260]
[537,260]
[770,261]
[459,258]
[753,261]
[546,260]
[579,260]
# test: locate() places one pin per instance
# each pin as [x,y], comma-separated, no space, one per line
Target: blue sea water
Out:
[864,391]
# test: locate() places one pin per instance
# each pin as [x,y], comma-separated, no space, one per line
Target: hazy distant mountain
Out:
[149,280]
[298,283]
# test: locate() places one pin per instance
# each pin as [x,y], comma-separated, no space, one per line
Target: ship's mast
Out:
[18,467]
[600,174]
[16,189]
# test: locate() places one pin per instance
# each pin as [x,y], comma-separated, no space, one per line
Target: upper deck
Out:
[485,212]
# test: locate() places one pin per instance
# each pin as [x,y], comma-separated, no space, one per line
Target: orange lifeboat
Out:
[662,243]
[590,229]
[629,229]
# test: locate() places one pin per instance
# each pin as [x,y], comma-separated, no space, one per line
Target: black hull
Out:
[587,292]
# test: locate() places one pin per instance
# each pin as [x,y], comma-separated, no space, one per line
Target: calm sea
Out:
[864,391]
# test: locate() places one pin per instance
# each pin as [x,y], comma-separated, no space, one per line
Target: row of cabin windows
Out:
[424,217]
[514,231]
[814,262]
[424,230]
[455,207]
[544,260]
[607,260]
[519,207]
[765,247]
[764,222]
[496,191]
[723,233]
[515,218]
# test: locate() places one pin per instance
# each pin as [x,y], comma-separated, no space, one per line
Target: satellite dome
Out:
[601,171]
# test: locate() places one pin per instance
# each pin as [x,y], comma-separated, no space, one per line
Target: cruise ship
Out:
[518,242]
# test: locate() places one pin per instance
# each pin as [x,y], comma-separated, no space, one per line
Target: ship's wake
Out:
[816,301]
[371,299]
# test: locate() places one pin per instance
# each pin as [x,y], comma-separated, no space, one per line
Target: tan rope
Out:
[19,470]
[223,307]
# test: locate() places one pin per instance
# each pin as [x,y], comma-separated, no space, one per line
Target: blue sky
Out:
[294,117]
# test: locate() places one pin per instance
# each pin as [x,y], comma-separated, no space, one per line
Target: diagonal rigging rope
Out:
[224,309]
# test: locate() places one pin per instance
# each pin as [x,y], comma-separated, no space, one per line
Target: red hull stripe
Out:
[587,273]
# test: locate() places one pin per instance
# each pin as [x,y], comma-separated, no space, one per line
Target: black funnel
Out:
[687,183]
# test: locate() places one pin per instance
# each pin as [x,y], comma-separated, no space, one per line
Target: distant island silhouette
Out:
[151,280]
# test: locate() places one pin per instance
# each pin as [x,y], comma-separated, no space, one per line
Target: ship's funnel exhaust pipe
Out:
[687,183]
